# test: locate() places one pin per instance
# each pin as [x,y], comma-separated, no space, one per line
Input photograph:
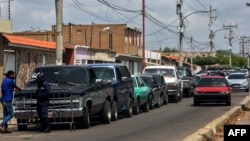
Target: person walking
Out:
[7,89]
[43,95]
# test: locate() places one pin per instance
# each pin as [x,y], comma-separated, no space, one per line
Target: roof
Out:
[160,67]
[217,76]
[30,42]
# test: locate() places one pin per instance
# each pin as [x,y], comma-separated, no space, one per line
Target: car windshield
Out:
[147,80]
[168,72]
[67,75]
[212,82]
[183,73]
[237,76]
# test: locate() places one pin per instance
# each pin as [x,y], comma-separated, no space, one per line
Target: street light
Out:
[181,29]
[98,34]
[248,4]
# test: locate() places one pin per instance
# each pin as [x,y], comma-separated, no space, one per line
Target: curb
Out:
[206,133]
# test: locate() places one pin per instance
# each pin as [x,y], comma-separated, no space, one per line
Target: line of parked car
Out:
[79,92]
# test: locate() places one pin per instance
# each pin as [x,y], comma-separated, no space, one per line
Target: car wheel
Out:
[106,113]
[21,125]
[247,90]
[129,110]
[84,121]
[160,102]
[176,98]
[114,113]
[151,102]
[136,107]
[187,92]
[195,102]
[146,107]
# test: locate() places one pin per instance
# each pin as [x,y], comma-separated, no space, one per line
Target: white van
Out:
[171,77]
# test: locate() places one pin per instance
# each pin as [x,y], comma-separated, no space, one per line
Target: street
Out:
[172,122]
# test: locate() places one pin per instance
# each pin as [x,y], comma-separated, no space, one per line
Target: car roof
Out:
[205,76]
[236,73]
[158,67]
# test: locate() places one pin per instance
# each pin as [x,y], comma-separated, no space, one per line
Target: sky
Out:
[161,21]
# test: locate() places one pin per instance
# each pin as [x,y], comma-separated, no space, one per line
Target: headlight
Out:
[245,83]
[172,85]
[19,102]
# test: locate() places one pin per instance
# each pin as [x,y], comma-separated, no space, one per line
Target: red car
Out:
[210,89]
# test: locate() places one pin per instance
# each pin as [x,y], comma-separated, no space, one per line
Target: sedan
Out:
[155,98]
[210,89]
[141,94]
[238,81]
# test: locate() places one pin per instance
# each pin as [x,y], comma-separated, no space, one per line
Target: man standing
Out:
[8,86]
[43,95]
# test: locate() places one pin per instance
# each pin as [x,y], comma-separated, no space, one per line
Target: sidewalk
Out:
[243,118]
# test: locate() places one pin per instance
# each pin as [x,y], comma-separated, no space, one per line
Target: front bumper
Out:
[52,113]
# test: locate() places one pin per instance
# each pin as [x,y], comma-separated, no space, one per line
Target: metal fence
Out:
[60,111]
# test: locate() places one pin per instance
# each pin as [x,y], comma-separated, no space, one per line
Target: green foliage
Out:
[205,60]
[167,49]
[222,58]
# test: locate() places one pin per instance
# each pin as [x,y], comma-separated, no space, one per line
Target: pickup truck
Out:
[76,95]
[122,83]
[186,81]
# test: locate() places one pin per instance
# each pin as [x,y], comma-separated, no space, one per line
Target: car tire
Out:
[176,98]
[145,107]
[165,101]
[247,90]
[21,125]
[187,92]
[136,107]
[151,102]
[84,121]
[129,110]
[106,113]
[114,113]
[160,102]
[195,103]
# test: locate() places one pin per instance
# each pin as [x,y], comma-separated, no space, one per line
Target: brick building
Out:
[121,39]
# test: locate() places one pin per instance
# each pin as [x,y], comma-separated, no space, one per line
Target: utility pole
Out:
[191,44]
[143,35]
[230,37]
[211,35]
[58,4]
[181,30]
[243,41]
[248,55]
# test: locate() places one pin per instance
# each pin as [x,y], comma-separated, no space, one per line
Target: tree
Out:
[168,49]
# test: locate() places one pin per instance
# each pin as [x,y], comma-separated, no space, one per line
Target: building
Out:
[24,54]
[101,39]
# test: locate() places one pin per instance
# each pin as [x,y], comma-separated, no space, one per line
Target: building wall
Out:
[28,59]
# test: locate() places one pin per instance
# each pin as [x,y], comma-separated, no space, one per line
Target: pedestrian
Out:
[7,89]
[43,95]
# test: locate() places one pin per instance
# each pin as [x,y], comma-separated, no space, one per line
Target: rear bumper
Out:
[212,98]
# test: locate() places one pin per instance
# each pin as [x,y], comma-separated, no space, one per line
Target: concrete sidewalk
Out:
[242,118]
[212,131]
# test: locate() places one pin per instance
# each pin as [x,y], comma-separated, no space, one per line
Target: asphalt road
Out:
[172,122]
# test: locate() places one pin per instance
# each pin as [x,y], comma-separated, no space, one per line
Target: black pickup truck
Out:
[77,94]
[122,84]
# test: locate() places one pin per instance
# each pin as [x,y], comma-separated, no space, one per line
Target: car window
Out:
[236,76]
[62,74]
[211,82]
[147,80]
